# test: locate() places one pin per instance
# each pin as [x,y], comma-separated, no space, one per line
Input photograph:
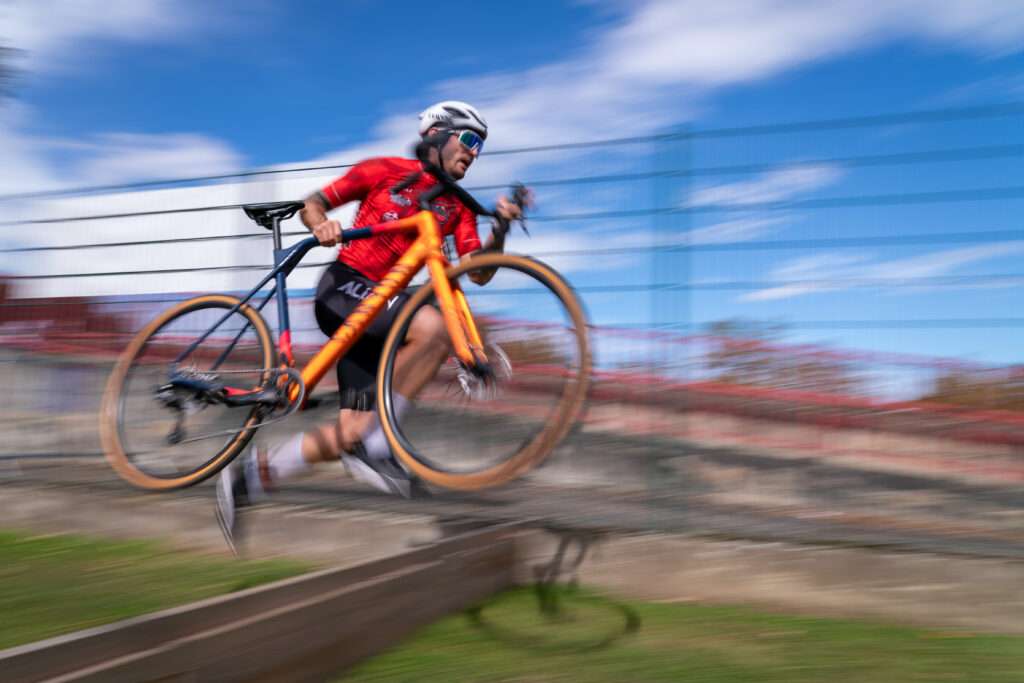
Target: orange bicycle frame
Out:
[465,336]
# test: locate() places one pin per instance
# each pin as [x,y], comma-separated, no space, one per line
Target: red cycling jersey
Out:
[371,181]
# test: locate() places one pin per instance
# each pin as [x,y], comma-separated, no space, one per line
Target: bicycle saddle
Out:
[269,213]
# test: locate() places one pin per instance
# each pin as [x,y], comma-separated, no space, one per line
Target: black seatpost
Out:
[276,227]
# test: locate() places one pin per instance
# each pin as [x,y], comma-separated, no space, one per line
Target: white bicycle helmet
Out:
[454,115]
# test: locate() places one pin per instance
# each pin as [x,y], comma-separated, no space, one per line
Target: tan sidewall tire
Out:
[563,417]
[109,433]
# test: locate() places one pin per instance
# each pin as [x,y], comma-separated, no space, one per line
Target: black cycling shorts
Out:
[341,289]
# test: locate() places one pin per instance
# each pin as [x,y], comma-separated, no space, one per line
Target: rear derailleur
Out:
[189,391]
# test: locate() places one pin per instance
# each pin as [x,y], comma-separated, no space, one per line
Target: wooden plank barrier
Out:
[294,630]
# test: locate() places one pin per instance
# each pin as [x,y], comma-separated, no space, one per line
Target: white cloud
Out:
[23,168]
[588,249]
[652,65]
[107,158]
[58,36]
[831,272]
[711,44]
[631,78]
[999,88]
[738,230]
[53,34]
[123,157]
[564,250]
[773,186]
[941,262]
[992,27]
[721,43]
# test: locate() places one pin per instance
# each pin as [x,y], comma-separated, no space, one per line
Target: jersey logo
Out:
[400,200]
[442,211]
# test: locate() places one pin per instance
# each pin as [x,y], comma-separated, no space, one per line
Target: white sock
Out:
[284,461]
[374,440]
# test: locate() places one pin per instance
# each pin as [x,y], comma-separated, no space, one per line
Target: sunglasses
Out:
[470,140]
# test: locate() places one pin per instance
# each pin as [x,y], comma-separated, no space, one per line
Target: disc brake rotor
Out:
[484,386]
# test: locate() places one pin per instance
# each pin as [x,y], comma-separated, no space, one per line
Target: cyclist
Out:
[454,133]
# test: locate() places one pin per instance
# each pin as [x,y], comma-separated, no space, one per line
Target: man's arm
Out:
[314,217]
[496,242]
[315,211]
[508,211]
[352,186]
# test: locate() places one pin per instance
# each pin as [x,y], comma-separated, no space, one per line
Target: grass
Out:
[51,585]
[57,584]
[513,642]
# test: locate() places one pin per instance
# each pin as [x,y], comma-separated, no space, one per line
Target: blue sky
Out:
[126,91]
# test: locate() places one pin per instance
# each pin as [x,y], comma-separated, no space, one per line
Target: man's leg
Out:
[427,345]
[251,478]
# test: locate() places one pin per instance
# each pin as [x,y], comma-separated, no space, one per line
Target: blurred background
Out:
[795,226]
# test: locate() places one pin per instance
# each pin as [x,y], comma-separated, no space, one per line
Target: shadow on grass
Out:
[567,618]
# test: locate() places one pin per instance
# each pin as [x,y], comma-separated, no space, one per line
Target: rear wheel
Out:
[471,430]
[160,437]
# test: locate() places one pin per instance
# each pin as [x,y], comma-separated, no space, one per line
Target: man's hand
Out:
[328,233]
[508,210]
[314,217]
[511,210]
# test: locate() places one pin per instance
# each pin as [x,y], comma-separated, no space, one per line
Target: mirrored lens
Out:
[471,140]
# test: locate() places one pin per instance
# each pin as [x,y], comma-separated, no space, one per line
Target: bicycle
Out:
[181,370]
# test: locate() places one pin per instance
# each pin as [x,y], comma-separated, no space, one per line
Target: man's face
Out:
[456,158]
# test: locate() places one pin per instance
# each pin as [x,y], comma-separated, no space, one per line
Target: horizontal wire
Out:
[141,243]
[918,323]
[301,298]
[980,237]
[162,271]
[820,283]
[951,196]
[752,245]
[975,194]
[927,116]
[880,324]
[946,115]
[169,181]
[908,281]
[895,159]
[134,214]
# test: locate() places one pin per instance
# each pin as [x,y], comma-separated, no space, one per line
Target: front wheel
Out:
[160,434]
[470,429]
